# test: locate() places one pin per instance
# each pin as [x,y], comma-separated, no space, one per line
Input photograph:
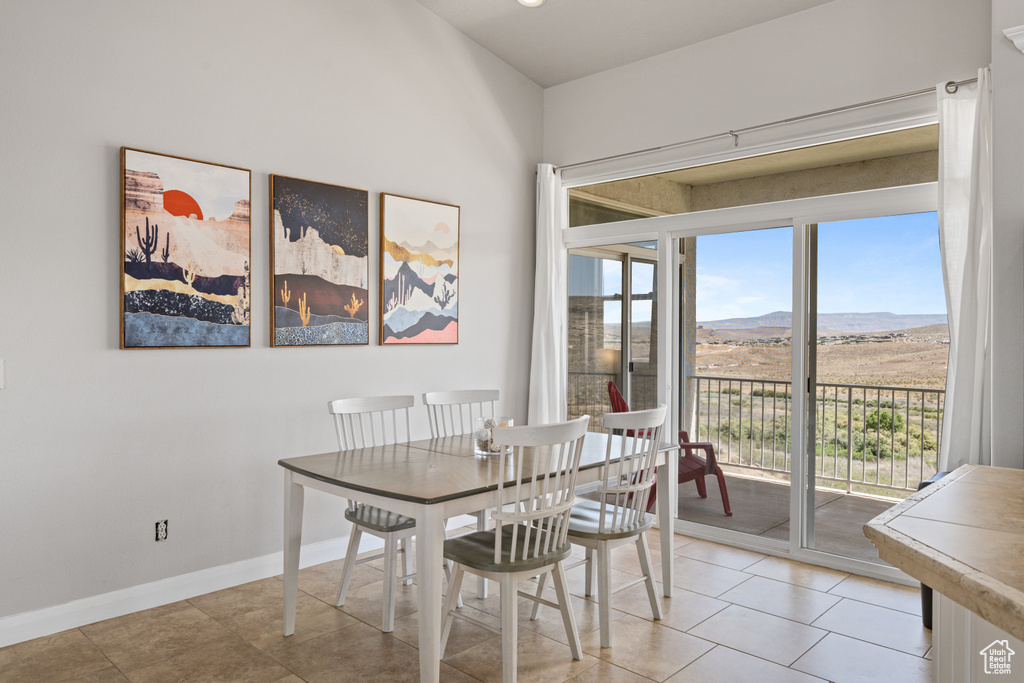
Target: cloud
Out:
[711,285]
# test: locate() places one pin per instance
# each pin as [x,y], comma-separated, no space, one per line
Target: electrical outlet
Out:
[161,530]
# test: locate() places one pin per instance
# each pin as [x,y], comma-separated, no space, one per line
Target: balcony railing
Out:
[870,439]
[867,438]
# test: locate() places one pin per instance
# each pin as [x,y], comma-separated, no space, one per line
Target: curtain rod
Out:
[951,87]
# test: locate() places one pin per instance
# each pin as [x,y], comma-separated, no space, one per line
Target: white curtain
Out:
[965,238]
[549,365]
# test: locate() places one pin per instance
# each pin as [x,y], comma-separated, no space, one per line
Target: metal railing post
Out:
[849,439]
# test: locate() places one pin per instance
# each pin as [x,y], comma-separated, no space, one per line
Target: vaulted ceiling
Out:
[563,40]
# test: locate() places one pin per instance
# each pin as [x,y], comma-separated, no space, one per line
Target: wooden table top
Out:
[426,471]
[964,537]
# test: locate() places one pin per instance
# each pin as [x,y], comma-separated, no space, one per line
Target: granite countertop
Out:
[964,537]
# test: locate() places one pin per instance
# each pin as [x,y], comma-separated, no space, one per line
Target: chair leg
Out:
[350,564]
[540,591]
[702,489]
[509,627]
[481,581]
[404,547]
[645,565]
[446,568]
[604,591]
[565,607]
[454,586]
[588,579]
[722,489]
[390,579]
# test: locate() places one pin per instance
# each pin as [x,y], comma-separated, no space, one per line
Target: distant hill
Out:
[941,329]
[856,323]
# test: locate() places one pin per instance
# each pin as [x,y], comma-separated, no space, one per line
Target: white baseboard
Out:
[18,628]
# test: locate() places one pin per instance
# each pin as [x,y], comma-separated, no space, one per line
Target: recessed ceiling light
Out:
[531,3]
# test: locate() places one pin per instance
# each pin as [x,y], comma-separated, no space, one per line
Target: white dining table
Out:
[433,480]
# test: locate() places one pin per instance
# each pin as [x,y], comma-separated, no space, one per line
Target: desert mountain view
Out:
[853,348]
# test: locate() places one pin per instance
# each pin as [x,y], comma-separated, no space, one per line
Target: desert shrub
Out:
[885,421]
[930,442]
[772,393]
[872,449]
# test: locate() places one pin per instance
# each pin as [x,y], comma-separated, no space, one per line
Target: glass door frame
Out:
[801,214]
[627,255]
[629,259]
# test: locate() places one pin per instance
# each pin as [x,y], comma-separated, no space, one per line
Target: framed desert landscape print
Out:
[318,263]
[185,252]
[419,271]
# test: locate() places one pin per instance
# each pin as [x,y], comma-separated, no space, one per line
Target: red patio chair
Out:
[692,467]
[619,404]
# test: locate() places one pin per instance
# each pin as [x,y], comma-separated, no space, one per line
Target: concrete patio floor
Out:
[761,507]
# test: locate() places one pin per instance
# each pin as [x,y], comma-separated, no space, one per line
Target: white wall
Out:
[1008,237]
[97,444]
[834,55]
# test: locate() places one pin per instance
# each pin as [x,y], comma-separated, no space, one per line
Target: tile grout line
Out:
[886,647]
[748,654]
[875,604]
[100,650]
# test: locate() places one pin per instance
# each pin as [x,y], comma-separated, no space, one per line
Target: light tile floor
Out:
[735,616]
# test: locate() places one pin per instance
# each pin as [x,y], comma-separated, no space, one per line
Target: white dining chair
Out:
[619,516]
[529,537]
[451,413]
[366,423]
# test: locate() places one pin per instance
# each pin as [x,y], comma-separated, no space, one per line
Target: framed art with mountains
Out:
[185,247]
[419,271]
[318,263]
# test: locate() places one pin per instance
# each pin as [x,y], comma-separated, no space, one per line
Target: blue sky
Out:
[643,281]
[888,264]
[868,265]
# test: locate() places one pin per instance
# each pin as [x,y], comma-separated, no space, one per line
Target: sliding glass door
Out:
[878,372]
[736,301]
[872,308]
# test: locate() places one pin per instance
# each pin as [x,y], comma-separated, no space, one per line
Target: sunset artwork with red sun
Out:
[185,234]
[178,203]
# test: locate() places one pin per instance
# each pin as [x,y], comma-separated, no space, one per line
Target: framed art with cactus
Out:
[318,263]
[419,270]
[186,259]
